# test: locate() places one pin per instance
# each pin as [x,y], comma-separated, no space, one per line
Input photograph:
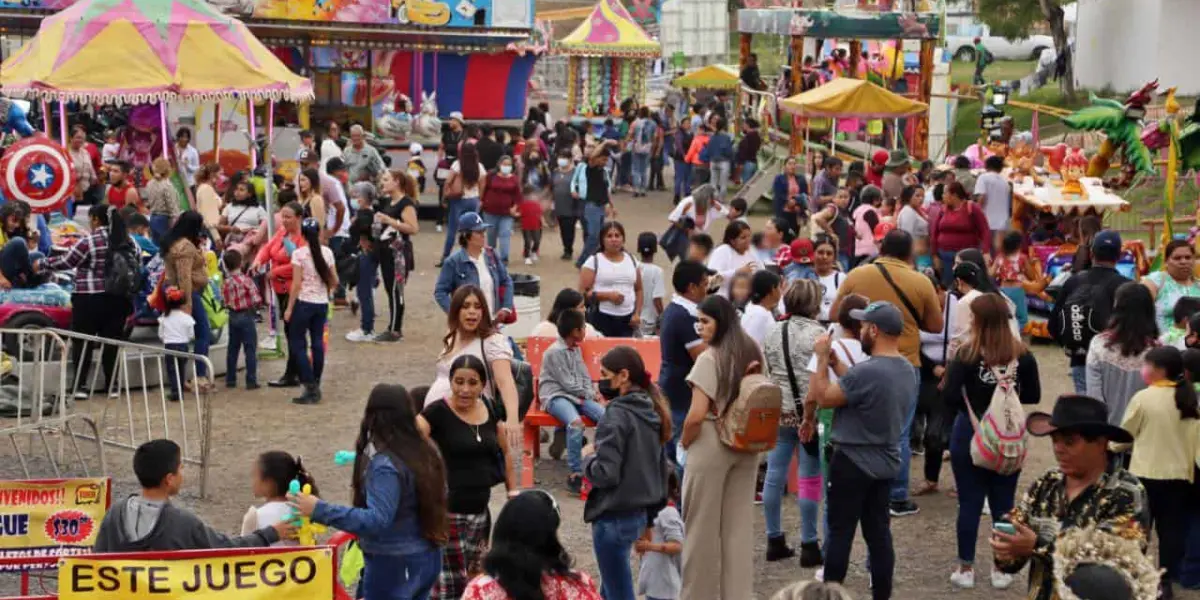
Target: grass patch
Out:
[966,122]
[963,72]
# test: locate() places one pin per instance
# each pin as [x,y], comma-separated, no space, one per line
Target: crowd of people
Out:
[878,311]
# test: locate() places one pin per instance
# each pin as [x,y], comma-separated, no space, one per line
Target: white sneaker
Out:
[535,257]
[358,336]
[1001,581]
[987,510]
[963,579]
[820,575]
[439,228]
[528,260]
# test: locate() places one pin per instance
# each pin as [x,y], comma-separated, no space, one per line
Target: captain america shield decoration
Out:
[38,171]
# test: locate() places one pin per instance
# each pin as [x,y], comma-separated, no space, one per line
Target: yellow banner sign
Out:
[294,574]
[45,519]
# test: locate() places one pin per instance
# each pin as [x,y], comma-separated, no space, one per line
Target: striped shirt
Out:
[89,258]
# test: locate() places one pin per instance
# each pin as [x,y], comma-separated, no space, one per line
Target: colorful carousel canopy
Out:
[139,51]
[609,31]
[850,98]
[709,77]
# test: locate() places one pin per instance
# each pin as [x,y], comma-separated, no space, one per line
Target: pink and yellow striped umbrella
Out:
[609,31]
[139,51]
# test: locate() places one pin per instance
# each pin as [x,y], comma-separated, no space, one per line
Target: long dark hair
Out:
[485,329]
[312,236]
[567,299]
[472,362]
[734,350]
[1170,360]
[280,468]
[314,182]
[983,281]
[389,424]
[189,226]
[468,164]
[525,546]
[1132,327]
[624,358]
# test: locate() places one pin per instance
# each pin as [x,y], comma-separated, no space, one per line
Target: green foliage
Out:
[1011,19]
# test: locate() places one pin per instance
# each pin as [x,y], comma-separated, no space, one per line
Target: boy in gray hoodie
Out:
[149,522]
[566,391]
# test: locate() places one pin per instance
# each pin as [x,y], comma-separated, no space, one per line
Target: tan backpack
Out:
[750,422]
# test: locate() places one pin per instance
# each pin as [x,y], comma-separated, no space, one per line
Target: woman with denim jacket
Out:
[399,512]
[475,264]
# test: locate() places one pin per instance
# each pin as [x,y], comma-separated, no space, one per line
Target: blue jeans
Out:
[567,413]
[242,336]
[749,168]
[593,219]
[779,461]
[365,288]
[900,483]
[499,235]
[683,178]
[1079,378]
[975,485]
[404,577]
[641,171]
[947,273]
[335,244]
[159,225]
[175,368]
[613,536]
[456,208]
[721,170]
[308,319]
[1017,295]
[203,331]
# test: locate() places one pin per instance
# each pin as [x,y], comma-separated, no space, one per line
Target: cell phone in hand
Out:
[1005,528]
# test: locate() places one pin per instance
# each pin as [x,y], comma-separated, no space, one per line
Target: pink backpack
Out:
[999,443]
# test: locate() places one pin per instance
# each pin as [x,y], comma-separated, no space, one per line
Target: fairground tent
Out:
[143,51]
[709,77]
[851,98]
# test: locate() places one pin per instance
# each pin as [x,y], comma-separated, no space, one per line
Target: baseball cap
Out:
[882,229]
[334,165]
[802,251]
[883,315]
[457,116]
[416,148]
[880,157]
[471,222]
[647,242]
[309,156]
[1106,245]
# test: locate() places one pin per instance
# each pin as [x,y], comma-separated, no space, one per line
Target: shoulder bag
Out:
[903,298]
[522,374]
[813,446]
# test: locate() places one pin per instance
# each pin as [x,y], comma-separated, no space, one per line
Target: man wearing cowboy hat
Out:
[897,166]
[1079,493]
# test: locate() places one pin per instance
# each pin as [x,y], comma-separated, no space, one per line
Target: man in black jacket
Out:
[1094,290]
[488,148]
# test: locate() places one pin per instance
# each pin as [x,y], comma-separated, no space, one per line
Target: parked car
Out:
[962,29]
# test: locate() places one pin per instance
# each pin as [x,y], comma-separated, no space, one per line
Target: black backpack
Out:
[1076,320]
[123,273]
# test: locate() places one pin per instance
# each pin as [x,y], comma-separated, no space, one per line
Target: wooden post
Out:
[855,57]
[797,141]
[921,138]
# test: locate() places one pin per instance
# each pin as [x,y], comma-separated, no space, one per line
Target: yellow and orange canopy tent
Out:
[851,98]
[609,31]
[141,51]
[709,77]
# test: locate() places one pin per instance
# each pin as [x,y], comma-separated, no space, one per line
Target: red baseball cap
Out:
[882,229]
[880,157]
[802,251]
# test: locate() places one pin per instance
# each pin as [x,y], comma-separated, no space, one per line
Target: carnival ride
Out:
[168,51]
[608,56]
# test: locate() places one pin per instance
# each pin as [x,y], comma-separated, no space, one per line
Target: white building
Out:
[1122,44]
[697,28]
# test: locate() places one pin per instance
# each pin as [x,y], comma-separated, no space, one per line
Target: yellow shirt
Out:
[1164,445]
[868,281]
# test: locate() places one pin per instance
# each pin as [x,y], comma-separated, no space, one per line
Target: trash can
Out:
[527,302]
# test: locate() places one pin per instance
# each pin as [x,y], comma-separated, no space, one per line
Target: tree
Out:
[1014,19]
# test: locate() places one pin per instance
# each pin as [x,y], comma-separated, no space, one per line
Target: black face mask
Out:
[607,390]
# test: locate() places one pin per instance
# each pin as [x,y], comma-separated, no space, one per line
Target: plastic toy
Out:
[1073,168]
[14,117]
[308,531]
[343,458]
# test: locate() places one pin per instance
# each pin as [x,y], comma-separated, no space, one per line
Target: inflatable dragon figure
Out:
[1184,133]
[1121,124]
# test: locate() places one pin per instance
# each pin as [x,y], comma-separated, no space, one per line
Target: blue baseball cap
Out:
[1106,245]
[882,314]
[471,222]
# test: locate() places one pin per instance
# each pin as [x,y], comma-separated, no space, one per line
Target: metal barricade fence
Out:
[48,373]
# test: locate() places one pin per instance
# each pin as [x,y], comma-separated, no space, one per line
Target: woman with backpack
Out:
[718,481]
[990,373]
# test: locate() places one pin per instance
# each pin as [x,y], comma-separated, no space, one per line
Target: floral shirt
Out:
[1116,504]
[577,586]
[802,335]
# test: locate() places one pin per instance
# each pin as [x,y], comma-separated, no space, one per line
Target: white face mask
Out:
[506,169]
[562,162]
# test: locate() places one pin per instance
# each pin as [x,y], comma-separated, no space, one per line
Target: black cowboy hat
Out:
[1082,414]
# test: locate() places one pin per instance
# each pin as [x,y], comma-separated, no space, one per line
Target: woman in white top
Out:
[766,290]
[567,299]
[187,157]
[701,207]
[610,279]
[329,146]
[242,215]
[462,191]
[825,271]
[313,277]
[85,171]
[972,281]
[734,255]
[472,331]
[912,217]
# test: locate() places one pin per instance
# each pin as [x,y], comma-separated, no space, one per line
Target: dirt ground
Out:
[248,423]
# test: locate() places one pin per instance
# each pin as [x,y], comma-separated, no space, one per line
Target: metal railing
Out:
[135,406]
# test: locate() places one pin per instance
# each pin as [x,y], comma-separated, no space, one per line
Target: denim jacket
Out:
[458,270]
[390,524]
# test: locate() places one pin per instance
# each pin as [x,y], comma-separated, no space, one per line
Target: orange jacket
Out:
[278,258]
[698,144]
